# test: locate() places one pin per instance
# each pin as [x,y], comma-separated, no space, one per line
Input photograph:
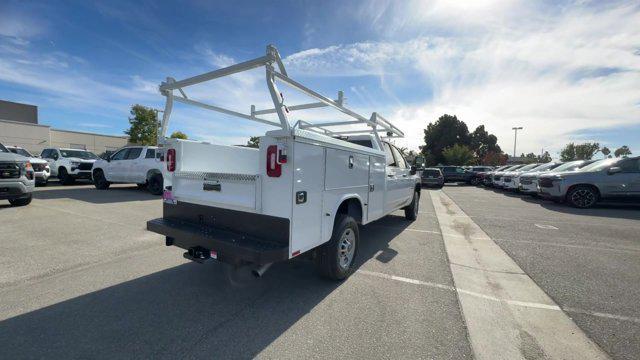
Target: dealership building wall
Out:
[35,137]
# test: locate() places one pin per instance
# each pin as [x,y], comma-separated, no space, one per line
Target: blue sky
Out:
[565,71]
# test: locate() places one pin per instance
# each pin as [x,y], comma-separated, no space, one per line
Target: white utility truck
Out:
[304,191]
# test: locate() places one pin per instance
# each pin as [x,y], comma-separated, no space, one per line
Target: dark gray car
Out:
[605,179]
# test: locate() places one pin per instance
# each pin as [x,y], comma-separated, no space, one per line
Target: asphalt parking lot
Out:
[587,260]
[81,277]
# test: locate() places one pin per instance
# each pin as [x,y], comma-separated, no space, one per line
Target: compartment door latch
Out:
[301,197]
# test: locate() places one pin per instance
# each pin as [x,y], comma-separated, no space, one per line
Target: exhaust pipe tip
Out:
[260,270]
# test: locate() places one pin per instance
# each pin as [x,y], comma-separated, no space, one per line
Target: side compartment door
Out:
[308,187]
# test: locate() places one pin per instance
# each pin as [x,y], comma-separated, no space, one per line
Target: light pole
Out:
[515,138]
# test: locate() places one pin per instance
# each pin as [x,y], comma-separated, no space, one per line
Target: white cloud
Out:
[553,74]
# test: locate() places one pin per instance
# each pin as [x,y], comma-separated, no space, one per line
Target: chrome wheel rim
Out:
[346,248]
[583,198]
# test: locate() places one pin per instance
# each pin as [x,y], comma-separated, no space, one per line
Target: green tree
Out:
[144,125]
[458,155]
[586,151]
[605,151]
[622,151]
[530,158]
[444,133]
[579,152]
[544,158]
[179,135]
[482,142]
[494,159]
[254,142]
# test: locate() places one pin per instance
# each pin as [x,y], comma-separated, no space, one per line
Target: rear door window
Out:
[398,156]
[151,153]
[389,155]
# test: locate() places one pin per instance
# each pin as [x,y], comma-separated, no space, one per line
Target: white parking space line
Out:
[586,247]
[520,318]
[406,280]
[547,227]
[404,229]
[492,298]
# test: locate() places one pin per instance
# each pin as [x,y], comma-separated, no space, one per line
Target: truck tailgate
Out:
[235,191]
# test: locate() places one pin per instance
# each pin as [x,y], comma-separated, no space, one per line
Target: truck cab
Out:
[304,191]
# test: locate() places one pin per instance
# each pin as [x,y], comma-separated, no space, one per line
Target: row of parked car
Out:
[580,183]
[21,171]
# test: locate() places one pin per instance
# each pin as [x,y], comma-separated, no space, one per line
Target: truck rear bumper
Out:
[230,247]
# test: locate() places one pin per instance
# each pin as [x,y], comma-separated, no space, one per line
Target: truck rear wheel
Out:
[335,259]
[411,211]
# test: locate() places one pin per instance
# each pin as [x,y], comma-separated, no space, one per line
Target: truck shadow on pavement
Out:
[192,310]
[92,195]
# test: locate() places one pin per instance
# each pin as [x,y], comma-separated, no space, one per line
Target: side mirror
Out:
[414,170]
[614,170]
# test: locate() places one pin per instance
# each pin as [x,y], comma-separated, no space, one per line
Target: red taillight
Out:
[274,169]
[171,159]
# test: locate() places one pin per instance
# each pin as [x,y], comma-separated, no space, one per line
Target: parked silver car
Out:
[529,180]
[605,179]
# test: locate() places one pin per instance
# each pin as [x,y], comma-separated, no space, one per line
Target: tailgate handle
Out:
[212,187]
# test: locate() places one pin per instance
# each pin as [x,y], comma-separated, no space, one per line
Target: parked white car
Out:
[40,167]
[498,180]
[304,192]
[510,178]
[132,164]
[69,164]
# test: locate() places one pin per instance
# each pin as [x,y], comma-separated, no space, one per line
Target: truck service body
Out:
[304,190]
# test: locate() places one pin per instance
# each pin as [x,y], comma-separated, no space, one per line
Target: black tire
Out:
[21,201]
[64,177]
[155,184]
[582,196]
[100,181]
[411,211]
[335,259]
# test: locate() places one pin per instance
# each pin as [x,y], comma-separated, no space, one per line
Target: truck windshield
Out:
[20,151]
[86,155]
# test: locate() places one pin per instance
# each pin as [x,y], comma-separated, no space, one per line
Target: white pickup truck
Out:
[69,164]
[304,191]
[131,164]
